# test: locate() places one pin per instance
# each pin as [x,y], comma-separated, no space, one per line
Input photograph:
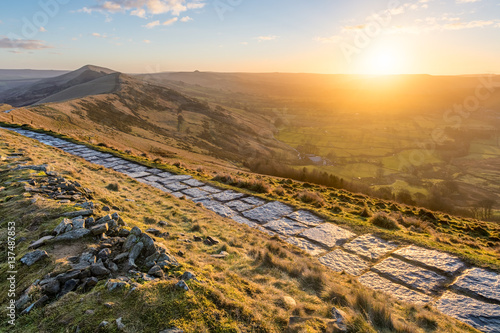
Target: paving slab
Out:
[268,212]
[307,246]
[195,192]
[153,178]
[285,226]
[370,247]
[164,174]
[239,205]
[341,261]
[180,195]
[432,258]
[376,282]
[210,189]
[483,316]
[306,217]
[140,174]
[228,195]
[328,235]
[242,220]
[155,171]
[254,201]
[160,187]
[218,208]
[413,276]
[481,282]
[193,182]
[177,186]
[177,178]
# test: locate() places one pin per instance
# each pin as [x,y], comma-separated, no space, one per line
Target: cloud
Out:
[147,41]
[103,36]
[171,21]
[442,24]
[467,1]
[42,29]
[143,8]
[328,40]
[266,38]
[151,25]
[186,19]
[156,23]
[25,44]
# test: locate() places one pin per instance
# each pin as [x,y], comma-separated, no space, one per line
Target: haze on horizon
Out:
[451,37]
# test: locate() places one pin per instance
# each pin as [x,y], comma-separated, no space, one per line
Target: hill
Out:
[32,93]
[12,78]
[241,280]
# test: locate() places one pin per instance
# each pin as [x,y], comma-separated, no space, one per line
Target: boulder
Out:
[104,254]
[113,284]
[115,216]
[129,243]
[73,235]
[99,229]
[156,271]
[149,244]
[119,324]
[289,302]
[78,223]
[172,330]
[70,285]
[340,319]
[121,257]
[182,285]
[61,227]
[104,219]
[42,241]
[32,257]
[153,231]
[86,212]
[90,222]
[136,231]
[98,269]
[135,252]
[186,276]
[51,287]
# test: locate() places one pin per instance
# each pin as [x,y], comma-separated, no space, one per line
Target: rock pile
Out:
[56,187]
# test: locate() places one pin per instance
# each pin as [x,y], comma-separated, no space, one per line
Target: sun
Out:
[382,60]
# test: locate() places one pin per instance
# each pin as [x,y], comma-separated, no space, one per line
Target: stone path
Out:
[408,273]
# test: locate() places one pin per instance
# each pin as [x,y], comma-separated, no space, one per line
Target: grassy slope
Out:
[241,293]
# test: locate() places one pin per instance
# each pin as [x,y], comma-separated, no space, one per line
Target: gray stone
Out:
[86,212]
[131,240]
[218,208]
[340,319]
[376,282]
[182,285]
[139,174]
[228,195]
[418,278]
[61,227]
[431,258]
[340,261]
[306,245]
[87,257]
[149,244]
[254,201]
[193,182]
[51,286]
[176,186]
[285,226]
[32,257]
[483,316]
[104,219]
[164,174]
[135,252]
[78,223]
[178,178]
[370,247]
[136,231]
[156,271]
[306,217]
[239,205]
[210,189]
[69,285]
[243,220]
[172,330]
[328,235]
[480,282]
[113,284]
[153,231]
[104,254]
[73,235]
[98,269]
[180,195]
[99,229]
[121,256]
[42,241]
[186,276]
[268,212]
[153,179]
[195,193]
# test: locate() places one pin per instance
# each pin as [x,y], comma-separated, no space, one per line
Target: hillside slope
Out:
[33,93]
[260,285]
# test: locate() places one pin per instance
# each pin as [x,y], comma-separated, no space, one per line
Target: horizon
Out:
[450,38]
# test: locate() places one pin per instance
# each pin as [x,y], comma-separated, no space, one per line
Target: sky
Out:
[439,37]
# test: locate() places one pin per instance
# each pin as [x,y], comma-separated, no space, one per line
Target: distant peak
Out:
[96,69]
